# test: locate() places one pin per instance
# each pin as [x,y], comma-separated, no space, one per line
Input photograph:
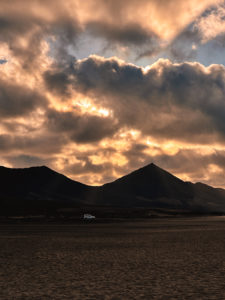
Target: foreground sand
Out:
[156,259]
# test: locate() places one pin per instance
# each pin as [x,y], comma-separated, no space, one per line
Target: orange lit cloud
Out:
[164,18]
[26,24]
[212,24]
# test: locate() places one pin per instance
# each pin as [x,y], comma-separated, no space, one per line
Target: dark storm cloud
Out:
[38,143]
[17,100]
[60,75]
[107,75]
[83,128]
[57,81]
[175,100]
[130,35]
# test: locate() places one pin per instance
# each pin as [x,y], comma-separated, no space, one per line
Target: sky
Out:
[95,89]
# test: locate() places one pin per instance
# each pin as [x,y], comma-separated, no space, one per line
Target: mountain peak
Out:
[152,166]
[152,170]
[147,174]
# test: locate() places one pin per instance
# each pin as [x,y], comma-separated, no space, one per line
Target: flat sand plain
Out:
[154,259]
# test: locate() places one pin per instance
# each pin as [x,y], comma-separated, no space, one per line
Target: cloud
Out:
[175,100]
[127,34]
[156,29]
[23,161]
[212,23]
[17,100]
[156,16]
[205,32]
[86,166]
[81,128]
[57,79]
[131,37]
[26,26]
[184,47]
[44,143]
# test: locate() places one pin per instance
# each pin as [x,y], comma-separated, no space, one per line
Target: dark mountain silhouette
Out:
[38,189]
[154,187]
[148,186]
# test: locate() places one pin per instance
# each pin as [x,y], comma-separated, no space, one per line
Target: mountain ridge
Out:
[150,187]
[44,167]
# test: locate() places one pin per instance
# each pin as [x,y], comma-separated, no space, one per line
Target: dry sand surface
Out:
[155,259]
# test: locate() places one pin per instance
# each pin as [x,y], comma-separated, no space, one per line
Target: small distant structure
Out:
[88,217]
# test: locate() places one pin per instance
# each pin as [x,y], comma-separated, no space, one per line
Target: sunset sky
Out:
[95,89]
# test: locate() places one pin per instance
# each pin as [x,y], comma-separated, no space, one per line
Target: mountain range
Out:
[39,189]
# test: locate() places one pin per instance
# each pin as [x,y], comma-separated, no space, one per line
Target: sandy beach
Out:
[153,259]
